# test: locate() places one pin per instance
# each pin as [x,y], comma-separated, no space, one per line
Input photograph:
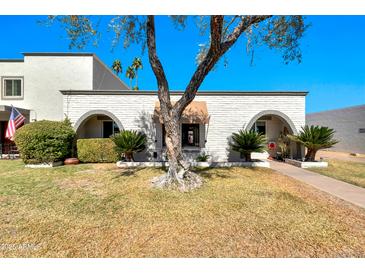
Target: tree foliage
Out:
[137,65]
[117,66]
[282,33]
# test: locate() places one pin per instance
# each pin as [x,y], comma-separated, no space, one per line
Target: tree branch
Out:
[213,55]
[163,87]
[229,24]
[245,23]
[216,26]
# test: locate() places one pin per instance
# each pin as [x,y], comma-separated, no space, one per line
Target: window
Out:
[260,127]
[109,128]
[12,87]
[361,130]
[190,135]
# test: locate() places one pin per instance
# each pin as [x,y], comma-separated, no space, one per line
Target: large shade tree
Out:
[222,32]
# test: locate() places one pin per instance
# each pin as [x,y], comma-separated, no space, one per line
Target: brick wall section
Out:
[229,113]
[346,122]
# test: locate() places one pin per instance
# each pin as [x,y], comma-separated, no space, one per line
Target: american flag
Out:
[15,121]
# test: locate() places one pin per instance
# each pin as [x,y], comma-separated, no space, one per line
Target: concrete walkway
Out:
[340,189]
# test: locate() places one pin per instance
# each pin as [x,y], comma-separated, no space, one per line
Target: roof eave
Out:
[208,93]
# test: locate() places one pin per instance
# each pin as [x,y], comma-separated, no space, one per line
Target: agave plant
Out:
[314,138]
[202,157]
[129,142]
[247,142]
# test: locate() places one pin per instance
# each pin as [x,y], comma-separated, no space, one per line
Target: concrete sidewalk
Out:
[340,189]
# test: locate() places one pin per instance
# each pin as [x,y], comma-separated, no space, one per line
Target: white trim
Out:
[3,88]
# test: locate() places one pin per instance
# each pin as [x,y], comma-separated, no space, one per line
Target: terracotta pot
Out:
[71,161]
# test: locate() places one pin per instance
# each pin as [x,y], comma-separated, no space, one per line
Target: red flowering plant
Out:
[271,145]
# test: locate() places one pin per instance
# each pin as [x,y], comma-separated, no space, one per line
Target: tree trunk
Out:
[311,155]
[178,175]
[136,80]
[248,157]
[129,156]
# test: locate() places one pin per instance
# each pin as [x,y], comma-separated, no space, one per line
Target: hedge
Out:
[45,141]
[96,150]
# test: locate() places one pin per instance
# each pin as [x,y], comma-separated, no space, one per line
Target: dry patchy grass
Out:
[350,172]
[102,211]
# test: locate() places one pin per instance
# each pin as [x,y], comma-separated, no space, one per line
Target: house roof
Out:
[180,92]
[58,54]
[67,54]
[352,108]
[12,60]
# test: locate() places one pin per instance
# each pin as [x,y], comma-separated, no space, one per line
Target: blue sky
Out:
[332,69]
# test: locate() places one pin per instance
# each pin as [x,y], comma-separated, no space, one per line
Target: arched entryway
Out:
[97,124]
[275,124]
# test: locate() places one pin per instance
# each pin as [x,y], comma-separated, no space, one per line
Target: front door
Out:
[5,144]
[107,129]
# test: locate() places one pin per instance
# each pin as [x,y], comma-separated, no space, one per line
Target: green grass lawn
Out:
[350,172]
[101,211]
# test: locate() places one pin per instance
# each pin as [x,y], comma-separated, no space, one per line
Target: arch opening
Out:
[275,125]
[97,124]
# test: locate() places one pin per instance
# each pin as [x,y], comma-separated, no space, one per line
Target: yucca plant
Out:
[284,145]
[315,138]
[247,142]
[129,142]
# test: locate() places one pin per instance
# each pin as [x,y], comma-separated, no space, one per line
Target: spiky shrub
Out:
[284,145]
[129,142]
[247,142]
[202,157]
[315,138]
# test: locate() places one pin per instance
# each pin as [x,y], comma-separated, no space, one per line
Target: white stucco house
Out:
[80,86]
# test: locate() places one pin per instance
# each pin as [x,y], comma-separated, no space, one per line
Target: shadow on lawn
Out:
[132,171]
[211,172]
[129,172]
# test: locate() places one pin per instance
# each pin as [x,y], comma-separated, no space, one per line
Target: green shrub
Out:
[247,142]
[96,150]
[45,141]
[128,142]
